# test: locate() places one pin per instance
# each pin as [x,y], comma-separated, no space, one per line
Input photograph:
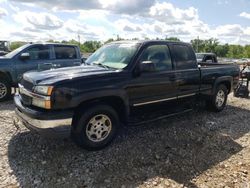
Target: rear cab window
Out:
[183,56]
[65,52]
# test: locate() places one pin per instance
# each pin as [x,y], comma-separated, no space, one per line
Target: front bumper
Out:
[46,123]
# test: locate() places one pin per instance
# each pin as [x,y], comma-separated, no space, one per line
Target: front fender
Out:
[65,99]
[101,94]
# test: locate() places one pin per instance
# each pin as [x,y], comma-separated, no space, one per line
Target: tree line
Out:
[210,45]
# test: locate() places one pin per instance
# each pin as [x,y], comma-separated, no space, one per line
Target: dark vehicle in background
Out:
[206,58]
[85,56]
[33,57]
[242,89]
[126,82]
[4,47]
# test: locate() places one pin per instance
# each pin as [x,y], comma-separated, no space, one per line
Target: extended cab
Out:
[30,57]
[122,82]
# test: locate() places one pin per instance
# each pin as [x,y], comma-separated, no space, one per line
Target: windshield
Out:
[199,56]
[115,56]
[16,51]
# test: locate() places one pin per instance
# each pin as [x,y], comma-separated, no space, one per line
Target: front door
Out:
[38,54]
[155,86]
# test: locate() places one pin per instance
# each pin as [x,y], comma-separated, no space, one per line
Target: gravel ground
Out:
[198,149]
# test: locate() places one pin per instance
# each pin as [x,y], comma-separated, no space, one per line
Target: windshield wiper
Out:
[102,65]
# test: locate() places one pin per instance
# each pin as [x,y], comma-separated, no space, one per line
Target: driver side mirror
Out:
[24,56]
[147,66]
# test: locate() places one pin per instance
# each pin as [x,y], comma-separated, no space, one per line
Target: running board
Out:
[135,123]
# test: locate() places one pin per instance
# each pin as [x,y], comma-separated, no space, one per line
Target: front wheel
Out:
[96,127]
[218,101]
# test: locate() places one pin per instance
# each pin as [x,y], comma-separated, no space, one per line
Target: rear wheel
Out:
[5,90]
[218,102]
[96,127]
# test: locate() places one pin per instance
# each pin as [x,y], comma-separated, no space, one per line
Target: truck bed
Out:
[211,71]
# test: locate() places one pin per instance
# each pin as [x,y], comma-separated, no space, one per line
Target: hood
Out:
[3,59]
[56,75]
[5,62]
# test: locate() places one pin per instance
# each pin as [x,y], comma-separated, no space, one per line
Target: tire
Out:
[5,90]
[218,101]
[96,127]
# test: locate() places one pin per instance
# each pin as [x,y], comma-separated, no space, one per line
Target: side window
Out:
[38,52]
[209,58]
[184,57]
[65,52]
[159,55]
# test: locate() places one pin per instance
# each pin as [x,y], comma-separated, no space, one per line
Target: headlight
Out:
[44,90]
[41,103]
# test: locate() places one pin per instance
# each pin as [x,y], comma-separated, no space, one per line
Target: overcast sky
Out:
[41,20]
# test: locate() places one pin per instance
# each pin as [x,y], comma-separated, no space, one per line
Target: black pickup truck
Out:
[122,83]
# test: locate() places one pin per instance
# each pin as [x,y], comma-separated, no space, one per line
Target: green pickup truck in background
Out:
[33,57]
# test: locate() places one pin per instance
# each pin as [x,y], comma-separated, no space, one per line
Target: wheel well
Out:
[227,84]
[115,102]
[6,76]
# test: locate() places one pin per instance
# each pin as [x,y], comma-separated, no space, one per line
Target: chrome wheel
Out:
[3,90]
[220,98]
[98,128]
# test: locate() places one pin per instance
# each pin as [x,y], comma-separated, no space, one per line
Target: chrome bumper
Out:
[51,126]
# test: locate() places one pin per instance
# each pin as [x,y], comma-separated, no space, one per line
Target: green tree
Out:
[109,40]
[198,45]
[205,45]
[235,51]
[221,50]
[90,46]
[175,39]
[17,44]
[247,51]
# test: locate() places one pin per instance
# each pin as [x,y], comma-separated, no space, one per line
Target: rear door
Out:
[65,56]
[186,69]
[157,86]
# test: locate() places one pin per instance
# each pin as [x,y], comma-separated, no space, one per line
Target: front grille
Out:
[26,84]
[26,100]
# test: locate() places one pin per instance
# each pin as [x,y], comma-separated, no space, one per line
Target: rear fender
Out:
[226,80]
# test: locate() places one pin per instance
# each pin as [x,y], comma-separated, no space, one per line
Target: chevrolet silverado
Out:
[126,82]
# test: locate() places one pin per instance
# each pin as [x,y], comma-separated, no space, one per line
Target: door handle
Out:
[44,66]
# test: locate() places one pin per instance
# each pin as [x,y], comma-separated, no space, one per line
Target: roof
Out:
[149,41]
[50,43]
